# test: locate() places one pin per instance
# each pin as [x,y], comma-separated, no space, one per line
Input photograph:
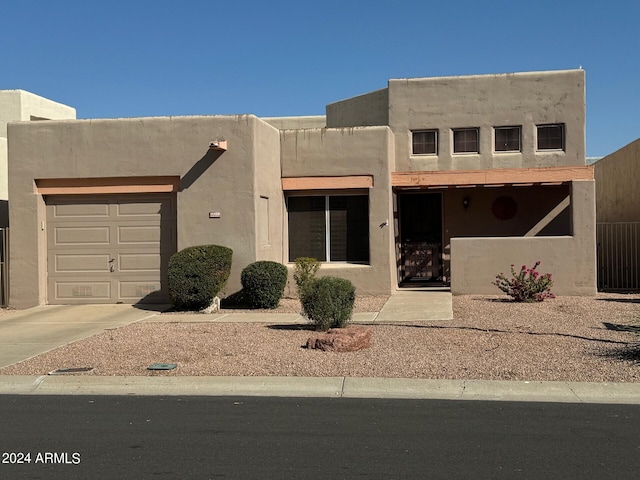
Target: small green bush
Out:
[263,283]
[197,274]
[328,302]
[304,271]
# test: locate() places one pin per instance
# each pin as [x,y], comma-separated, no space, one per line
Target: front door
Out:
[420,216]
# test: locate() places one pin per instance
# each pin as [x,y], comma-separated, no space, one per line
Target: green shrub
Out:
[197,274]
[304,271]
[527,285]
[263,283]
[328,302]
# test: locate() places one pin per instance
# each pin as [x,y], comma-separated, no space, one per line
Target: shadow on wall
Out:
[199,168]
[4,213]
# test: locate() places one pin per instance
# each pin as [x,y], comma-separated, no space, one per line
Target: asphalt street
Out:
[137,437]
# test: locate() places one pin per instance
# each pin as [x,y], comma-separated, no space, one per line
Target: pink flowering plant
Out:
[527,285]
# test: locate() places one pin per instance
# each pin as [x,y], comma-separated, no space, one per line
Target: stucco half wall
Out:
[571,260]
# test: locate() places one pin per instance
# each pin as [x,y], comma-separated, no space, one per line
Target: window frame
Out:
[327,222]
[504,128]
[454,131]
[435,141]
[563,137]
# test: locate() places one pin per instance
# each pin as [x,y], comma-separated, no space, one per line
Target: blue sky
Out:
[155,57]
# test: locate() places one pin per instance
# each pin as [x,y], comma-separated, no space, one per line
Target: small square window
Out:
[465,140]
[551,137]
[425,142]
[507,139]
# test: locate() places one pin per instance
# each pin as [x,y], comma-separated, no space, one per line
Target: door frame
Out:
[403,280]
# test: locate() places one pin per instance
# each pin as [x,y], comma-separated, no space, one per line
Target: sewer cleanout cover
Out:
[162,366]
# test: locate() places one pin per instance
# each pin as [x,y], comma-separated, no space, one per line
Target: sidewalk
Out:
[327,387]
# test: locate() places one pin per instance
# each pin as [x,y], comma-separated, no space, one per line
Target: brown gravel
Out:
[489,338]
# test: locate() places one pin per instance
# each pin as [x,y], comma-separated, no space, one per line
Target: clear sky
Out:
[189,57]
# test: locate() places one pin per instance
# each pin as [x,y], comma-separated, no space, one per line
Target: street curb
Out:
[325,387]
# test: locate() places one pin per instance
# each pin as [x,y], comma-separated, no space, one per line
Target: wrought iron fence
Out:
[618,256]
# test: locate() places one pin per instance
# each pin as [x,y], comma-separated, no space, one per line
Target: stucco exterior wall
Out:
[370,109]
[487,101]
[617,191]
[344,152]
[288,123]
[571,259]
[20,105]
[210,181]
[269,202]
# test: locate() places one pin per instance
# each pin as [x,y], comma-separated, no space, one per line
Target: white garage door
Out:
[109,249]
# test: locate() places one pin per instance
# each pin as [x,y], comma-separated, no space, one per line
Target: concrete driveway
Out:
[26,333]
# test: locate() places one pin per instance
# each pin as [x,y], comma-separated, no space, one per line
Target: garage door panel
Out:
[67,235]
[82,210]
[137,235]
[147,262]
[128,291]
[83,291]
[141,209]
[71,262]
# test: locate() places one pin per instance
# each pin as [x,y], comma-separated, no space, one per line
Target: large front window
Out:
[330,228]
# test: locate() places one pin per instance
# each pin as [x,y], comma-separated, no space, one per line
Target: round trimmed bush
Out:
[328,302]
[197,274]
[263,283]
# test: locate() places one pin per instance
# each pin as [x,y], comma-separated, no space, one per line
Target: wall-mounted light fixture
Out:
[465,202]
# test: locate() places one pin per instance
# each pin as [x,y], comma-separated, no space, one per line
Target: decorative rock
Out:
[349,339]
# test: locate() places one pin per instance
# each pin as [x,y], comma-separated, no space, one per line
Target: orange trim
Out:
[327,183]
[77,186]
[494,176]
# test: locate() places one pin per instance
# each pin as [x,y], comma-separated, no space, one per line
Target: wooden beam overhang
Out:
[107,185]
[491,177]
[327,183]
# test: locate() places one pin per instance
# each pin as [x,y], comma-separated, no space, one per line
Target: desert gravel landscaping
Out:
[490,338]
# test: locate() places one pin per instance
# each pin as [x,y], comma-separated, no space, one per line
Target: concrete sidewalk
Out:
[327,387]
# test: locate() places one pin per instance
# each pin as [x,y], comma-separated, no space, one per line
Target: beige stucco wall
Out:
[345,152]
[369,109]
[617,191]
[488,101]
[268,189]
[288,123]
[210,181]
[571,259]
[18,105]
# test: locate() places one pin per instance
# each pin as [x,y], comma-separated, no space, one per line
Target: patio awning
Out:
[491,177]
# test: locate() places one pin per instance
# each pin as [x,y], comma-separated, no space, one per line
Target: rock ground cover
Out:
[491,338]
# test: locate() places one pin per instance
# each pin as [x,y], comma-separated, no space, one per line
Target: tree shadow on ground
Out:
[621,300]
[495,330]
[293,326]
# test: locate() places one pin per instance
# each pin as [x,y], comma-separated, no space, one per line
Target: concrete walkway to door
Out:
[417,305]
[26,333]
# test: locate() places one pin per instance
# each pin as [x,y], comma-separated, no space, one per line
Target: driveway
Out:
[26,333]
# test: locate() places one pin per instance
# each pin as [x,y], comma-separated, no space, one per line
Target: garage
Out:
[109,248]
